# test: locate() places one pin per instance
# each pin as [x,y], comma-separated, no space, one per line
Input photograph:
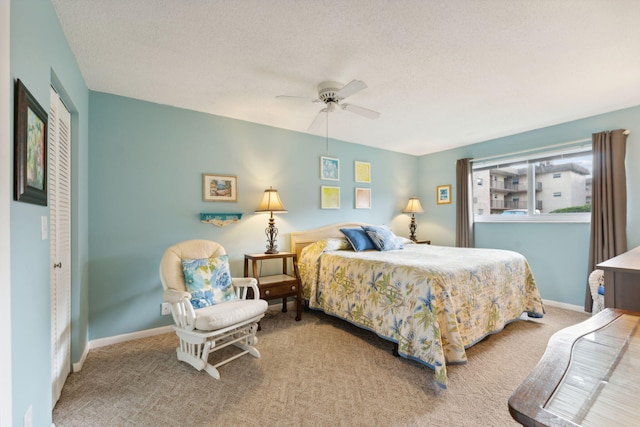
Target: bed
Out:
[434,302]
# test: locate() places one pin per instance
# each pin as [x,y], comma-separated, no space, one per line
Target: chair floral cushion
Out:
[208,280]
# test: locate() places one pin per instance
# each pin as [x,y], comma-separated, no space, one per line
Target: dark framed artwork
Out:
[30,148]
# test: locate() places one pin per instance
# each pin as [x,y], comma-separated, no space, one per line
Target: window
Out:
[536,187]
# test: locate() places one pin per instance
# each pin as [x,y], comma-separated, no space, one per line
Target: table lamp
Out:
[271,203]
[413,207]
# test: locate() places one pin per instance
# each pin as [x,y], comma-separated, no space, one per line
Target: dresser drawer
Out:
[276,291]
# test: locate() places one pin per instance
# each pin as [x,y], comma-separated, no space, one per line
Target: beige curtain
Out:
[464,204]
[608,201]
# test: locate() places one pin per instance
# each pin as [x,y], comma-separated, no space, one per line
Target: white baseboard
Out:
[78,365]
[101,342]
[564,305]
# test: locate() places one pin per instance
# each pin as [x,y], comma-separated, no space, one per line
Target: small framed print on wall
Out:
[219,188]
[443,194]
[329,168]
[329,197]
[363,198]
[30,148]
[362,171]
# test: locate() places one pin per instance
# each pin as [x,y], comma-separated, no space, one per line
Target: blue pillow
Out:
[208,280]
[383,238]
[358,239]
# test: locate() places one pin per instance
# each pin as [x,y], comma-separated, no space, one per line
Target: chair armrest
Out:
[246,283]
[181,309]
[173,296]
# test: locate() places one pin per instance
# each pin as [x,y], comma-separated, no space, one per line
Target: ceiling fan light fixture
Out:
[332,93]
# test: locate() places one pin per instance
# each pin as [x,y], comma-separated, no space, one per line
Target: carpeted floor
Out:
[320,371]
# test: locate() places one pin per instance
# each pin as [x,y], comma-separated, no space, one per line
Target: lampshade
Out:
[271,202]
[413,206]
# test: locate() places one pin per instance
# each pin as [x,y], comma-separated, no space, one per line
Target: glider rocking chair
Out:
[210,308]
[596,286]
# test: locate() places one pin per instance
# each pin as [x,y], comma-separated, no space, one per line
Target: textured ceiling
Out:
[441,73]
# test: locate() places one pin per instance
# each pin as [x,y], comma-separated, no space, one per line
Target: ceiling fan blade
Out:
[365,112]
[350,88]
[301,98]
[319,121]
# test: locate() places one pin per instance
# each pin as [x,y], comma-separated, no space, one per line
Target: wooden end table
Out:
[284,285]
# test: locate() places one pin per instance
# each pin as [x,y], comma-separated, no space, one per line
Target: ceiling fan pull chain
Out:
[327,123]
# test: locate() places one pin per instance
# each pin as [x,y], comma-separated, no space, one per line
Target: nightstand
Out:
[274,286]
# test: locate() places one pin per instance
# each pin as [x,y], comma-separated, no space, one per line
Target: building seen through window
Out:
[554,184]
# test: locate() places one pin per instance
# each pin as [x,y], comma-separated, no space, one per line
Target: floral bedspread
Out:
[434,301]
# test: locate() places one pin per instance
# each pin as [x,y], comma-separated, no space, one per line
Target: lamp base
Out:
[412,229]
[271,231]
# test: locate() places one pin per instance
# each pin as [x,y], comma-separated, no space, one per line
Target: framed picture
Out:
[443,194]
[362,171]
[30,149]
[363,198]
[219,188]
[329,197]
[329,169]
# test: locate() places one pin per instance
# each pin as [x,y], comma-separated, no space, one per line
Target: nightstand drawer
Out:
[283,285]
[277,291]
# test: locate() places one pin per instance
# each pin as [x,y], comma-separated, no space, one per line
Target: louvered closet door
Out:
[60,243]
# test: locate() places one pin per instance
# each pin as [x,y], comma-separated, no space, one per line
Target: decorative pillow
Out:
[405,240]
[358,239]
[208,280]
[383,238]
[336,244]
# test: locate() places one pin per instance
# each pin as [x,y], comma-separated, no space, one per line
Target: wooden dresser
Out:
[588,376]
[622,281]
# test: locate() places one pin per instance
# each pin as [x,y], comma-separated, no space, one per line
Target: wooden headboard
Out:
[300,239]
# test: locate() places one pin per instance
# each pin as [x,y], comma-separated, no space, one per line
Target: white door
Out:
[60,242]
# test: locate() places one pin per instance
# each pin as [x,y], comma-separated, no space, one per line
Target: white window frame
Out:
[575,147]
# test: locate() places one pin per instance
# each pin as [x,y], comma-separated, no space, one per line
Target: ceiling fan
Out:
[332,94]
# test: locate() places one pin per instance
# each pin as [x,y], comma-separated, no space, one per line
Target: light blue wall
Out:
[557,252]
[39,57]
[137,189]
[145,167]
